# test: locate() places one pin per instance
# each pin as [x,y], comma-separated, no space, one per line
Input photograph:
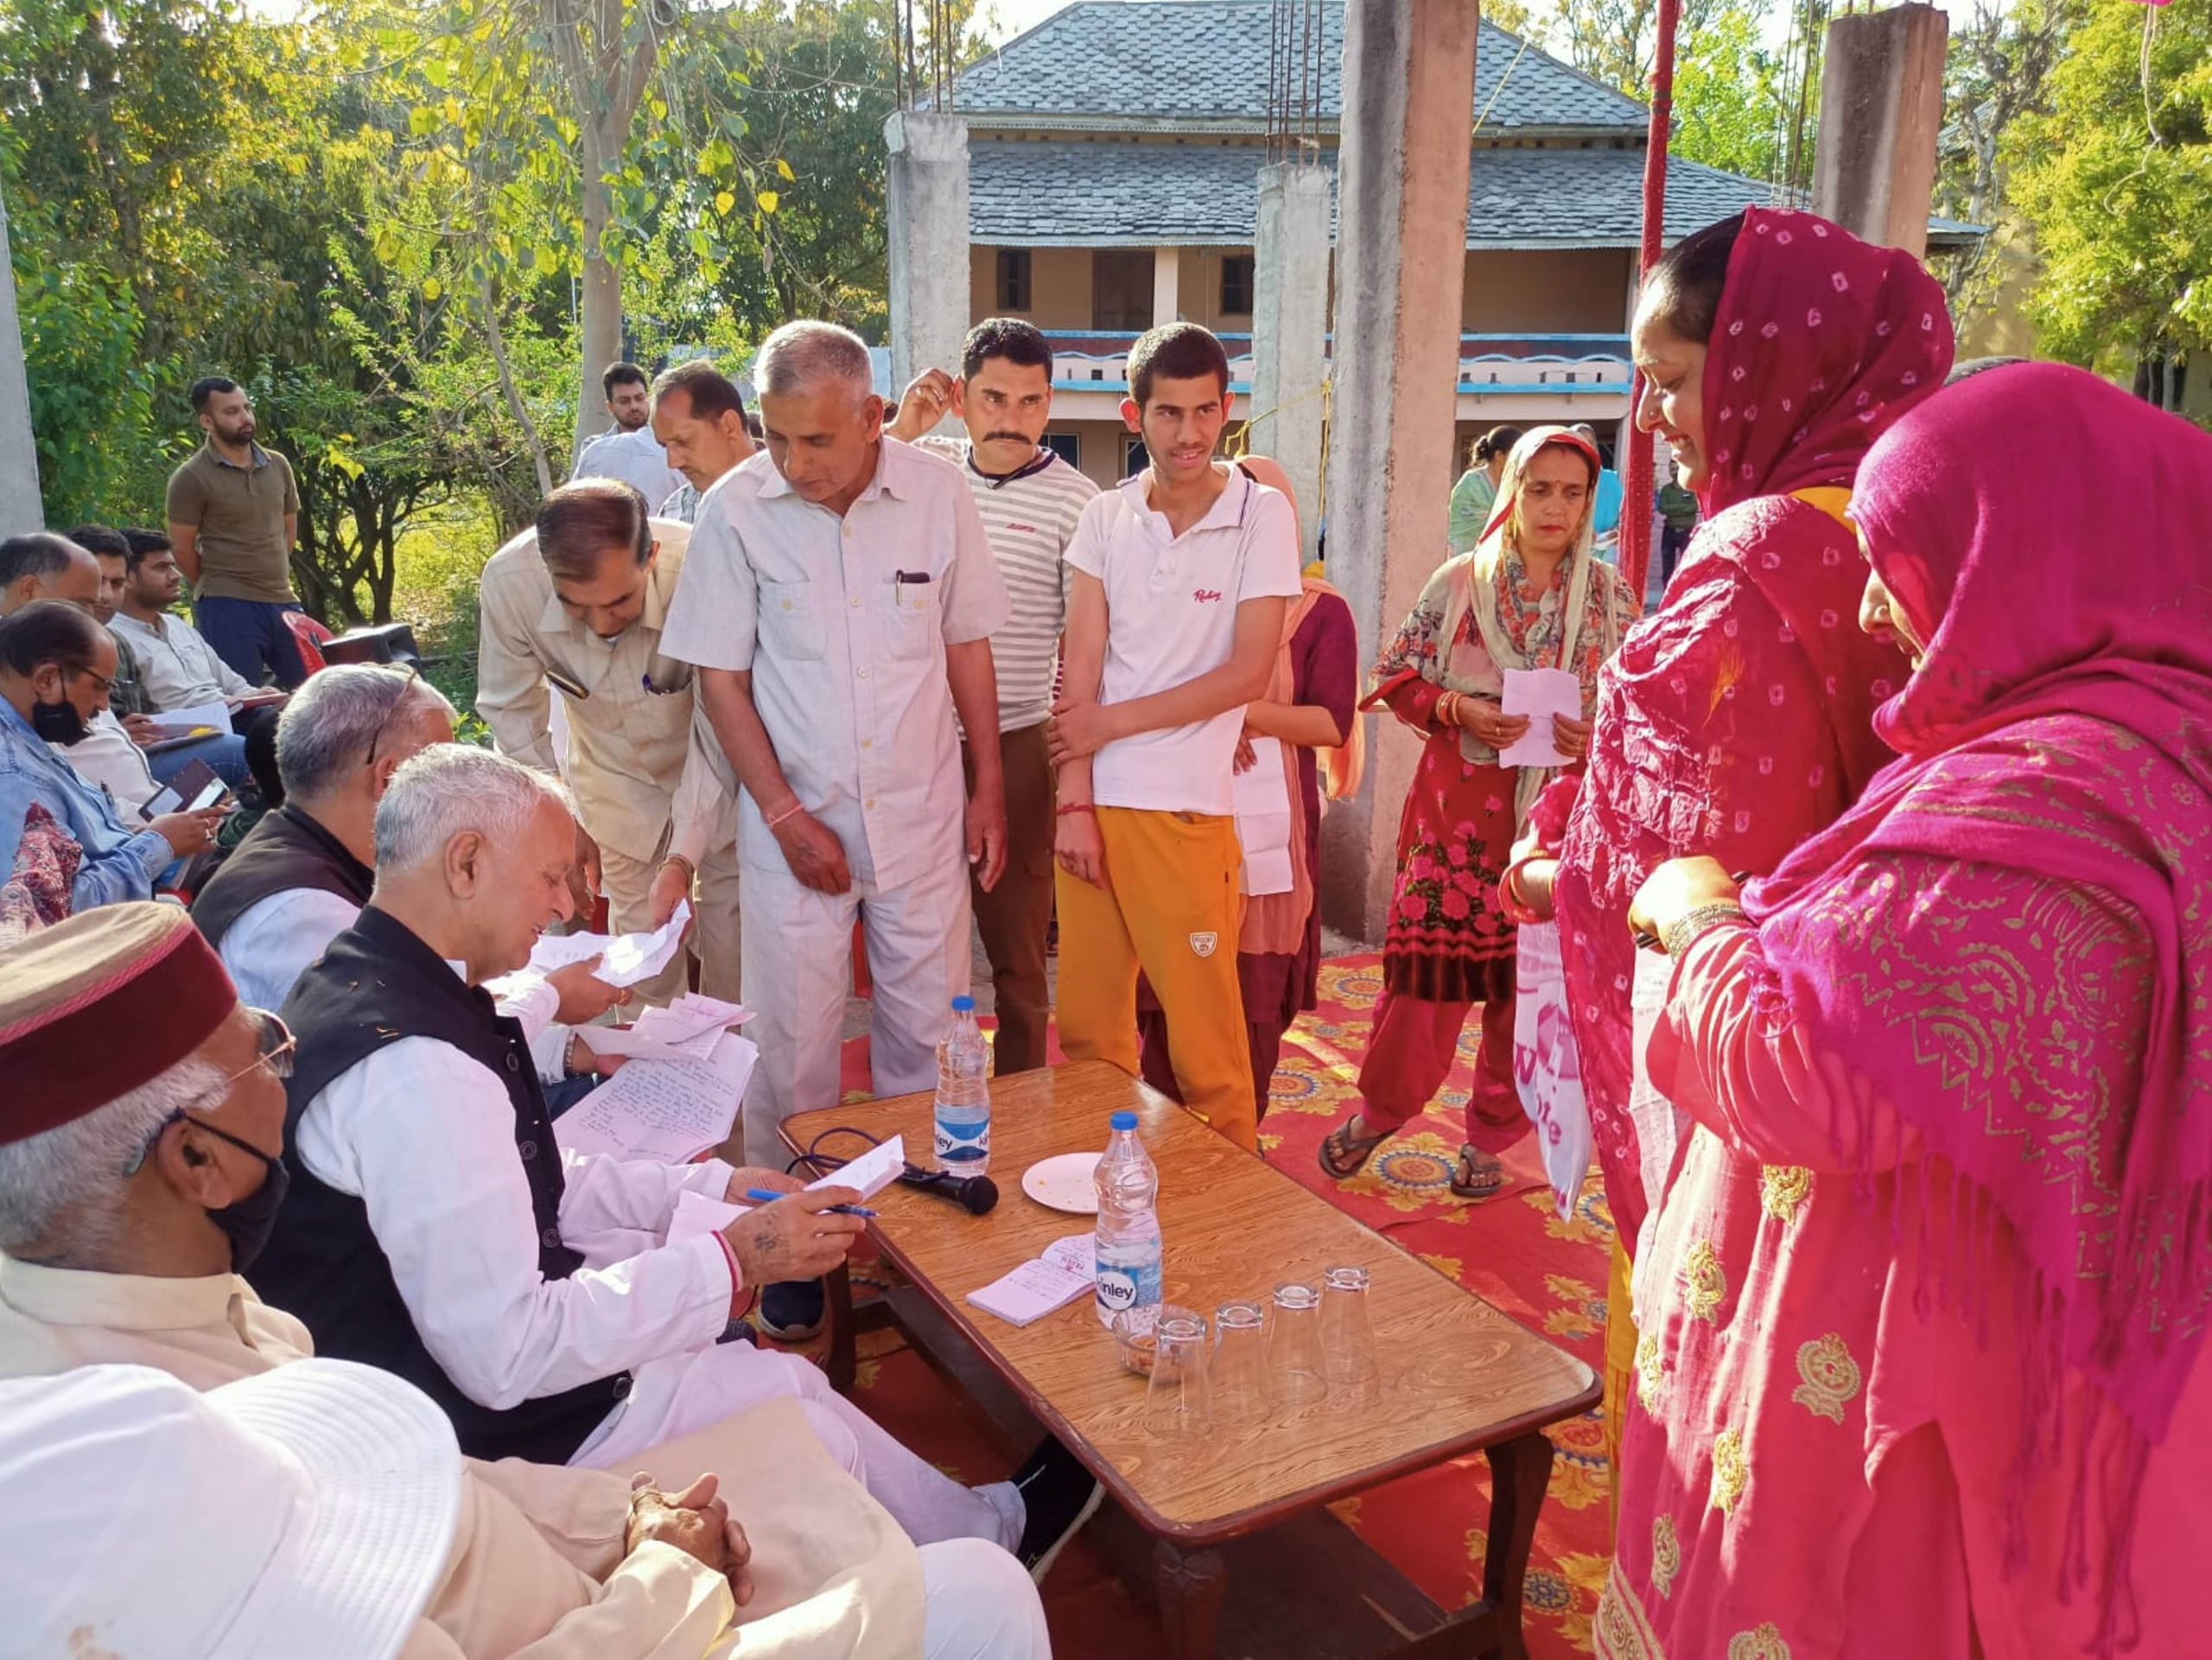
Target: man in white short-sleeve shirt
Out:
[839,600]
[1175,615]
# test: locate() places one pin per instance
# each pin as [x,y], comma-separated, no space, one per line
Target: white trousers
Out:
[980,1606]
[683,1393]
[798,967]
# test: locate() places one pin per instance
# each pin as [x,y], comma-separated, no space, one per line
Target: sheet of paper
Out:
[696,1213]
[217,714]
[692,1013]
[872,1172]
[1262,798]
[670,1111]
[639,1044]
[1538,694]
[639,956]
[557,950]
[1065,1272]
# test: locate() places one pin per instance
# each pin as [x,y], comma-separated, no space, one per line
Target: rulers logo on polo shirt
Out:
[1206,596]
[1203,945]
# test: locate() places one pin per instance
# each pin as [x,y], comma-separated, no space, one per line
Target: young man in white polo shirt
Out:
[1175,613]
[1030,500]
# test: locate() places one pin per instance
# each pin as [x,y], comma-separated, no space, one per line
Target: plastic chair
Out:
[309,637]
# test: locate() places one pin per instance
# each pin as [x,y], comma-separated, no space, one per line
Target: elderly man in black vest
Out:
[429,1225]
[303,873]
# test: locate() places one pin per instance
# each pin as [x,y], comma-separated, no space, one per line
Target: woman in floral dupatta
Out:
[1932,1384]
[1775,348]
[1532,595]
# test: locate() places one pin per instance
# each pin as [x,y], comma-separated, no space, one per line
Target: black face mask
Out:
[248,1223]
[58,722]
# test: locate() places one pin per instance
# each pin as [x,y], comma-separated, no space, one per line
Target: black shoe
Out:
[1058,1496]
[791,1312]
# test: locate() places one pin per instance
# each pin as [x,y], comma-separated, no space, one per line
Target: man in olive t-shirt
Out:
[233,514]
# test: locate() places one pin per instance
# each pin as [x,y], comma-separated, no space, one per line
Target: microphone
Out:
[975,1194]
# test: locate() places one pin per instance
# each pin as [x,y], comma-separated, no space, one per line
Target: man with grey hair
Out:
[137,1182]
[303,873]
[839,599]
[432,1217]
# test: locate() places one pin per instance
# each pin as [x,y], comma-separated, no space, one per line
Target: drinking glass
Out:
[1179,1401]
[1347,1339]
[1296,1374]
[1240,1365]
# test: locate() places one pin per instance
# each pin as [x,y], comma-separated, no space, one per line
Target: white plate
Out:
[1064,1183]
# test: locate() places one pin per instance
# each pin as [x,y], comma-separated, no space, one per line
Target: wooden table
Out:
[1457,1375]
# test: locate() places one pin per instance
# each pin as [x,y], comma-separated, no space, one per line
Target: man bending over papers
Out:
[302,876]
[429,1221]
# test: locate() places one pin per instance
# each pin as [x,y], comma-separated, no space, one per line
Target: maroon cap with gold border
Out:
[99,1005]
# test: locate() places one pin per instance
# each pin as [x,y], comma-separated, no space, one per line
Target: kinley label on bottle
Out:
[1131,1285]
[964,1143]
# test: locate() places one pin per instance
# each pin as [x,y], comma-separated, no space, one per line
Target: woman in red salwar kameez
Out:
[1922,1373]
[1532,595]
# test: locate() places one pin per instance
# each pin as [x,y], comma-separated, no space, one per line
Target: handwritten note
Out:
[1538,694]
[670,1111]
[1066,1271]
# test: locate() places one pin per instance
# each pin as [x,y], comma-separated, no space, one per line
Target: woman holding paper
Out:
[1530,598]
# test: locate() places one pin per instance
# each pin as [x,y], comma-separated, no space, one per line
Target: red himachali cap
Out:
[99,1005]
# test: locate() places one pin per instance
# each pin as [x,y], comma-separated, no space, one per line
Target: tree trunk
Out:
[601,325]
[497,342]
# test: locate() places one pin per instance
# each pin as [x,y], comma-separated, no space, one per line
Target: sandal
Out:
[1345,1154]
[1478,1175]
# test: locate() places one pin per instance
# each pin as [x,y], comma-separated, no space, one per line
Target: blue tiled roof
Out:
[1172,61]
[1103,193]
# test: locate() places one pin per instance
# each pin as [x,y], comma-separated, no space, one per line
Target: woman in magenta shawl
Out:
[1922,1375]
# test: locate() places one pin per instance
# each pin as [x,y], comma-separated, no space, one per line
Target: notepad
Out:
[1538,694]
[871,1172]
[670,1111]
[1066,1271]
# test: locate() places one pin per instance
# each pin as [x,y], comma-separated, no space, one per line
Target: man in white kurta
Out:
[471,854]
[839,599]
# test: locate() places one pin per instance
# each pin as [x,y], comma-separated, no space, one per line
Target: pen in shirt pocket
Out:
[899,579]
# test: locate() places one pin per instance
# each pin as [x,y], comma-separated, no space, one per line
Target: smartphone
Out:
[191,780]
[216,792]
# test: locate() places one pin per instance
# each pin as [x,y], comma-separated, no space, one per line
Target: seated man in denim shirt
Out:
[56,664]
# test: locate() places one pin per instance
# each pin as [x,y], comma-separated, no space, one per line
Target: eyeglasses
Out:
[276,1048]
[407,686]
[105,682]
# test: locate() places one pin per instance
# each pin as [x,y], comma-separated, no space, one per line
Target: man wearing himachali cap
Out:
[137,1177]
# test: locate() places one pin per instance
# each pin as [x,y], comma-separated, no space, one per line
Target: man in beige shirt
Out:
[135,1180]
[575,606]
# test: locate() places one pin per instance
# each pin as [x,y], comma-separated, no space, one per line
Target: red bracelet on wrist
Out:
[1075,806]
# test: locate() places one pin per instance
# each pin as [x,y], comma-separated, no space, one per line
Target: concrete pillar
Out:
[1290,329]
[20,508]
[1881,110]
[1402,240]
[926,196]
[1167,285]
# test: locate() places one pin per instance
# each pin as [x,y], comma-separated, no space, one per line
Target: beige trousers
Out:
[714,934]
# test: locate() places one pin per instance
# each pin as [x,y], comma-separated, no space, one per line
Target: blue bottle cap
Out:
[1123,1121]
[963,1005]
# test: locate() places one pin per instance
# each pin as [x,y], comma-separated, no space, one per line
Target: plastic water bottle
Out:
[1129,1226]
[963,1095]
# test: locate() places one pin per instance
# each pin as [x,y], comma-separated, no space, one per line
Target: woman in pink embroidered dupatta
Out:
[1922,1373]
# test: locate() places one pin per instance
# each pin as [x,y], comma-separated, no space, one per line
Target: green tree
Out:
[2115,182]
[1997,70]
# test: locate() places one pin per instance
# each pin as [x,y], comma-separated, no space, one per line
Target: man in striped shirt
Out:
[1030,500]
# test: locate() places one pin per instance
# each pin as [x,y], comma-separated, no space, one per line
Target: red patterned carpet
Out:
[1513,1250]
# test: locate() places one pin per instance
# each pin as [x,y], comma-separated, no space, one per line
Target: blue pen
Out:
[762,1196]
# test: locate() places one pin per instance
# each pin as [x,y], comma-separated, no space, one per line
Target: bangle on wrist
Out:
[1447,710]
[691,870]
[1684,932]
[791,812]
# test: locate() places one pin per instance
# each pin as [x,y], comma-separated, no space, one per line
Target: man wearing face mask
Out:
[569,638]
[56,664]
[138,1180]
